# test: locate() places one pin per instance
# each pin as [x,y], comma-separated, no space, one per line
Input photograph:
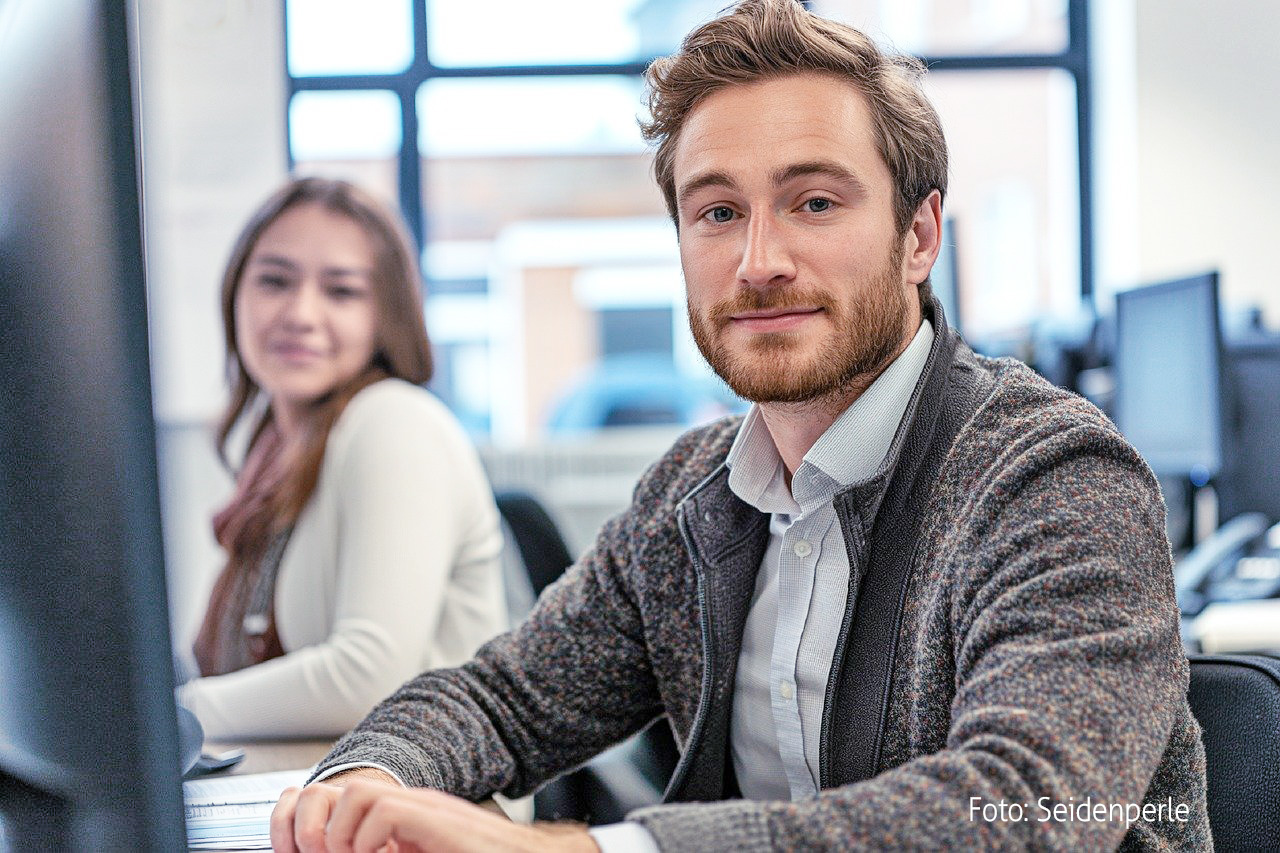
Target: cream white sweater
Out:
[392,569]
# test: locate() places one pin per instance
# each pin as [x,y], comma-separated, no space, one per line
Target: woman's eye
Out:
[818,205]
[345,292]
[273,282]
[719,214]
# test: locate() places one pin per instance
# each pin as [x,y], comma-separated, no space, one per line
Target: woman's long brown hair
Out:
[401,348]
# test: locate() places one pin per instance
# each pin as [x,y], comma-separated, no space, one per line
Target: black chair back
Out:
[632,774]
[542,548]
[1236,699]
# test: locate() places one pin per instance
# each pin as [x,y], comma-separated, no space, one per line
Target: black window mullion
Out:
[410,171]
[1004,62]
[1078,39]
[411,186]
[291,87]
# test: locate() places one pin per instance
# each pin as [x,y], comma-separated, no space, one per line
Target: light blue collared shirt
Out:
[801,589]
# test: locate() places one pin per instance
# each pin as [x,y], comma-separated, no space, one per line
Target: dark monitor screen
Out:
[1250,481]
[1168,375]
[88,734]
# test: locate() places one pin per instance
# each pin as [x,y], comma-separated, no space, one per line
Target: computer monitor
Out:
[1250,479]
[1168,396]
[88,733]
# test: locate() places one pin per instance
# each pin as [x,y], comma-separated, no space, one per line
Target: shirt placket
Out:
[797,562]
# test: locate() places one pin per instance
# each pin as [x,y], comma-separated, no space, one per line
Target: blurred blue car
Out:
[641,389]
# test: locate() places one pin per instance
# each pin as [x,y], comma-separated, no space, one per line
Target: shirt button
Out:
[787,690]
[802,548]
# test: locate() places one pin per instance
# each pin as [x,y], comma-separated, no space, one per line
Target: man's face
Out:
[792,260]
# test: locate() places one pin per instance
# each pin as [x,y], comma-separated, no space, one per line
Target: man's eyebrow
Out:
[785,174]
[825,168]
[706,179]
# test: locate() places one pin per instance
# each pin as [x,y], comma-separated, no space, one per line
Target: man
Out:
[916,599]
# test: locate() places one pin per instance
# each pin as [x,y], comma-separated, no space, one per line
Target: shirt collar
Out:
[848,452]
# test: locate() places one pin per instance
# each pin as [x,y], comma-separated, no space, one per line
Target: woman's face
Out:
[305,312]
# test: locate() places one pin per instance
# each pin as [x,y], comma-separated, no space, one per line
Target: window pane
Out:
[351,135]
[530,115]
[1014,199]
[340,37]
[542,189]
[558,32]
[956,27]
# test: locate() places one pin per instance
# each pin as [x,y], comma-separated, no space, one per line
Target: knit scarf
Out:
[239,627]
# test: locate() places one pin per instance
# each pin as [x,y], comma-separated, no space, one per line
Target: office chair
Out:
[633,773]
[538,540]
[1236,699]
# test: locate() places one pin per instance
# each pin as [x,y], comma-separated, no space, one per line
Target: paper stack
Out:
[234,812]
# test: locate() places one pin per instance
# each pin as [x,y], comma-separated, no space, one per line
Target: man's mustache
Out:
[779,299]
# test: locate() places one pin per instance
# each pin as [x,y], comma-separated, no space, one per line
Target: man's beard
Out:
[869,330]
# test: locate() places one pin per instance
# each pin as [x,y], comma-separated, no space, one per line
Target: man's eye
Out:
[818,205]
[719,214]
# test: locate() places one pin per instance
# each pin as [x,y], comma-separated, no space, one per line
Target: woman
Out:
[362,541]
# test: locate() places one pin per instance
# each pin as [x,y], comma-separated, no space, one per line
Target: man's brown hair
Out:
[765,39]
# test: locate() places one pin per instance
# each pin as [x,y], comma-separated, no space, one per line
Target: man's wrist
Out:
[372,774]
[347,766]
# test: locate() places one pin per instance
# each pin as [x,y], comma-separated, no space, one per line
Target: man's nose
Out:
[766,256]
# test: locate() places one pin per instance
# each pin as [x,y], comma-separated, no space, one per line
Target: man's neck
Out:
[796,427]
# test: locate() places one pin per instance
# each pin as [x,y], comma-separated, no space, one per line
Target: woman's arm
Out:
[408,536]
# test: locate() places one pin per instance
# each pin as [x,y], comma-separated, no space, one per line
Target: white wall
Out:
[1208,96]
[1115,148]
[213,145]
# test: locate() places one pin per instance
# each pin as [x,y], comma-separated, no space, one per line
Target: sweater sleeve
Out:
[417,541]
[1069,673]
[571,680]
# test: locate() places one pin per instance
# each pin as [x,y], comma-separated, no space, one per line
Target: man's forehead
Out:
[761,128]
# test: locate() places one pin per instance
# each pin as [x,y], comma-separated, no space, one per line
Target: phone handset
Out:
[1213,559]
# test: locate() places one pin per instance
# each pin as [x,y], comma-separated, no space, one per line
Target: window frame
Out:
[1074,59]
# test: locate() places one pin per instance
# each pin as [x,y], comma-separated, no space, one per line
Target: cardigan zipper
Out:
[837,659]
[704,697]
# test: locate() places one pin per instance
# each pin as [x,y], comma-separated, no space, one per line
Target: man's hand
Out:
[298,820]
[370,816]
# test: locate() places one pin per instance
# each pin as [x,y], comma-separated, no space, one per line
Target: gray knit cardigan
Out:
[1027,689]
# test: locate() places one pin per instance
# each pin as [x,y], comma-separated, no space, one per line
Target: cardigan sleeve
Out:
[417,544]
[572,679]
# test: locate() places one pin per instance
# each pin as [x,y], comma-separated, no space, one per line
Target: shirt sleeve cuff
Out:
[624,837]
[356,765]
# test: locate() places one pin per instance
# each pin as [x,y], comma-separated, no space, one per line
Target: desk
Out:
[265,756]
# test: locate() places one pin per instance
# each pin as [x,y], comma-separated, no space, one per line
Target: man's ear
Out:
[923,239]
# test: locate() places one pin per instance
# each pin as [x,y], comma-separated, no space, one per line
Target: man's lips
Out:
[774,319]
